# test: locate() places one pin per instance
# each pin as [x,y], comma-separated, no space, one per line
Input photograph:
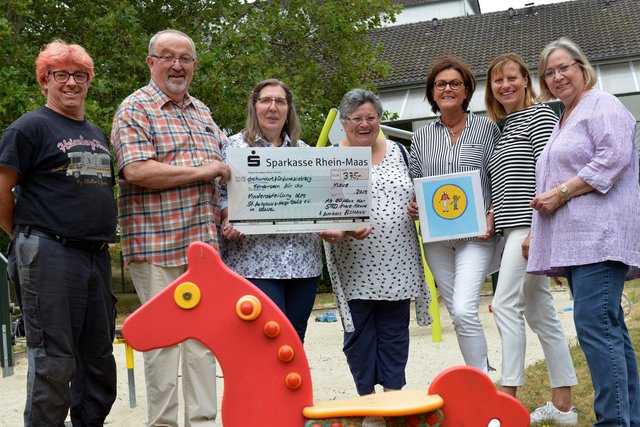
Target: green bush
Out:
[4,242]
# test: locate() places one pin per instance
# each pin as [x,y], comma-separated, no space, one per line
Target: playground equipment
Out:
[266,372]
[128,351]
[6,309]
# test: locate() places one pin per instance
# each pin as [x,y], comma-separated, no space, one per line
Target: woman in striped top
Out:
[457,141]
[509,95]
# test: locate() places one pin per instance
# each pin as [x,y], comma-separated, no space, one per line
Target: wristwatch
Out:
[565,191]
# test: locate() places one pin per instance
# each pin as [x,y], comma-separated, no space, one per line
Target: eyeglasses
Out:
[63,76]
[563,69]
[358,120]
[266,101]
[170,59]
[453,84]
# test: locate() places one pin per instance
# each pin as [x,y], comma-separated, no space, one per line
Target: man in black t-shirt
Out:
[61,218]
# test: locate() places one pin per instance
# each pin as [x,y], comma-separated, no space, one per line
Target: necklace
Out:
[453,132]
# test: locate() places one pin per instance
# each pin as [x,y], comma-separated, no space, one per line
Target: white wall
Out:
[621,79]
[426,12]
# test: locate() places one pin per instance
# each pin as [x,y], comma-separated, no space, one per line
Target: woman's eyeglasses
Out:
[562,69]
[357,119]
[453,84]
[266,101]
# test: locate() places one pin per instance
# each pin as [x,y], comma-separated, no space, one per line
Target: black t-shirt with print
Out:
[65,168]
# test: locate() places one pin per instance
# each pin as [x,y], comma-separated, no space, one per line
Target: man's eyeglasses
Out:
[563,69]
[266,101]
[63,76]
[453,84]
[357,119]
[170,59]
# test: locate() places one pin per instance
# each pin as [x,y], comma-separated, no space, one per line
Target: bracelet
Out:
[490,211]
[559,196]
[562,197]
[564,191]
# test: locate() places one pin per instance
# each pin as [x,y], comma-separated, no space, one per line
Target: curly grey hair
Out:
[355,98]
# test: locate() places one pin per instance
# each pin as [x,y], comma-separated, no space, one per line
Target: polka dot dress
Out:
[387,265]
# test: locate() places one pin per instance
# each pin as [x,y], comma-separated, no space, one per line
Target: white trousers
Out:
[521,295]
[162,366]
[459,268]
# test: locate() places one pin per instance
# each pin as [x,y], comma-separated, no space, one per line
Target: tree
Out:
[320,48]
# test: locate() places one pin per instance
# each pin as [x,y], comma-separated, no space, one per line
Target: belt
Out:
[85,245]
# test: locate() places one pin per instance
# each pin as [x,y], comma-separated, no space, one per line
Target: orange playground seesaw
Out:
[267,381]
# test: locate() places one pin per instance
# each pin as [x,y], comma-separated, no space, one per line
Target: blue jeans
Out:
[295,297]
[604,338]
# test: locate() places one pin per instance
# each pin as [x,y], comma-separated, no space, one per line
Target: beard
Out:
[177,87]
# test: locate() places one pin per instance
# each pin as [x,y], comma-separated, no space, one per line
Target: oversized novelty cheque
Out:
[450,206]
[301,190]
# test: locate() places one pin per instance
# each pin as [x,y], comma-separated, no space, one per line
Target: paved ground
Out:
[329,370]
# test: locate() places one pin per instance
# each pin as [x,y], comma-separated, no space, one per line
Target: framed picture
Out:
[450,206]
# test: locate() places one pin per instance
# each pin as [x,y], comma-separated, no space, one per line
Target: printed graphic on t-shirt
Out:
[90,165]
[86,166]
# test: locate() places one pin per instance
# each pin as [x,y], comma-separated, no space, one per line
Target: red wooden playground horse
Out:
[266,373]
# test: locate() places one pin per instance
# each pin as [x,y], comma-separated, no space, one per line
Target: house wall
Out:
[621,78]
[441,10]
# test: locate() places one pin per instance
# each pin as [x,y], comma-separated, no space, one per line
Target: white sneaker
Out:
[373,422]
[549,413]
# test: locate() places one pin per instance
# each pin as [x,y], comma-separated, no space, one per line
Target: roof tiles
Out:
[604,29]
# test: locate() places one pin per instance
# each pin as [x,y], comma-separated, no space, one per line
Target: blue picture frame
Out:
[450,206]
